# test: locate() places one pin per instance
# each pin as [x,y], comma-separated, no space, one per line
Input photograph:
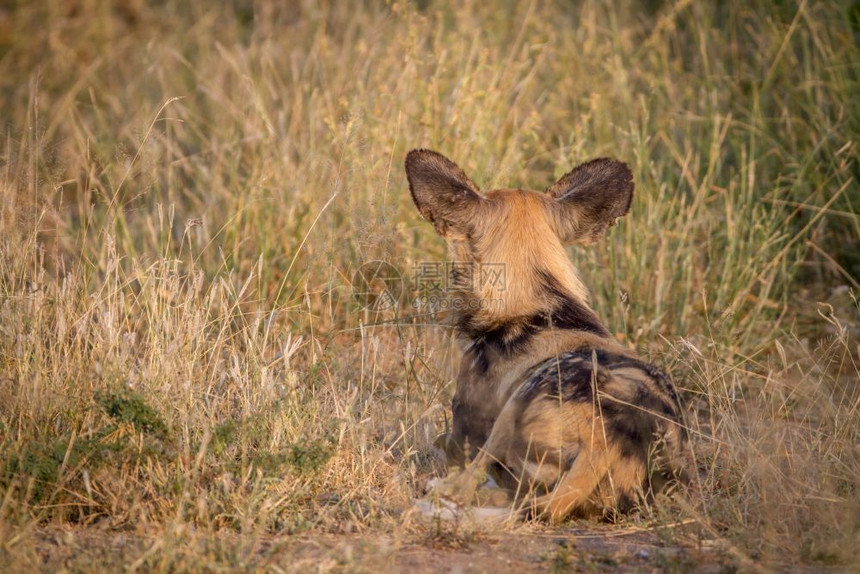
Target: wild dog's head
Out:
[518,233]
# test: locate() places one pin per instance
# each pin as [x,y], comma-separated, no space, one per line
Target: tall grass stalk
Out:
[188,188]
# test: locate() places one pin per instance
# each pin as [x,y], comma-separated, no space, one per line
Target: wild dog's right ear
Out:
[589,199]
[444,195]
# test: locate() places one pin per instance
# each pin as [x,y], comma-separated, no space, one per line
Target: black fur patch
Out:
[471,425]
[565,313]
[505,340]
[568,313]
[574,369]
[631,424]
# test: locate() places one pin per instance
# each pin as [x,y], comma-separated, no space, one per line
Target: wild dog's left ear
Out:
[443,193]
[590,198]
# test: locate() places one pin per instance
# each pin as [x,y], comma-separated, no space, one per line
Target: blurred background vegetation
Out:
[187,189]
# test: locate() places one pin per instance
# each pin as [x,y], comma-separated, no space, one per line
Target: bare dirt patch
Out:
[597,548]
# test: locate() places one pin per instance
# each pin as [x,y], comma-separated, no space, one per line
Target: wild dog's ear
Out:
[443,193]
[590,198]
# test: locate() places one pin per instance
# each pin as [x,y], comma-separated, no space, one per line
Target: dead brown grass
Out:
[186,190]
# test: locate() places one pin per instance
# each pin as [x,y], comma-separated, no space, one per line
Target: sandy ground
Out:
[597,548]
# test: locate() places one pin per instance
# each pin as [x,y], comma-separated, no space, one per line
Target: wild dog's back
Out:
[543,388]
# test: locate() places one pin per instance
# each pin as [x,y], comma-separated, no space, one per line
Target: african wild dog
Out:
[546,398]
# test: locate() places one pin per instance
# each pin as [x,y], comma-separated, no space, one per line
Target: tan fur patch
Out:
[517,232]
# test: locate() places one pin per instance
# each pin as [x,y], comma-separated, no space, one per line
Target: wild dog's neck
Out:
[523,279]
[503,321]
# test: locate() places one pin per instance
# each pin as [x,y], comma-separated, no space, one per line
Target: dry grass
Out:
[187,188]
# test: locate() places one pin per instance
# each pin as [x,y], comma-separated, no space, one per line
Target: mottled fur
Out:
[545,396]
